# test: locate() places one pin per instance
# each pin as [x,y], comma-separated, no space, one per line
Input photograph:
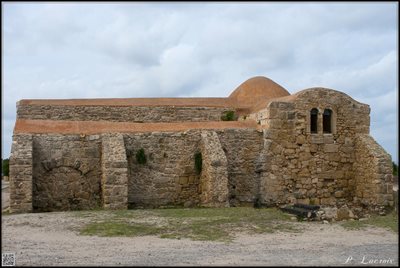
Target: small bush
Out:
[257,202]
[228,116]
[198,162]
[141,157]
[5,167]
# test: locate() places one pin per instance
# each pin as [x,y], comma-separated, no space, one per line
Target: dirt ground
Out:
[52,239]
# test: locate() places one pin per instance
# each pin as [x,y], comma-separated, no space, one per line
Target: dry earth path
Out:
[52,239]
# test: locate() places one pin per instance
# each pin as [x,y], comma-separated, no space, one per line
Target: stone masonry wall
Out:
[114,167]
[120,113]
[72,172]
[279,162]
[373,174]
[280,178]
[243,149]
[214,174]
[21,173]
[66,172]
[306,167]
[168,177]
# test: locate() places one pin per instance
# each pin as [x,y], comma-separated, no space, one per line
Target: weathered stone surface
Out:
[331,148]
[246,163]
[214,178]
[344,213]
[330,213]
[276,162]
[120,113]
[66,172]
[321,165]
[372,187]
[114,172]
[21,173]
[169,176]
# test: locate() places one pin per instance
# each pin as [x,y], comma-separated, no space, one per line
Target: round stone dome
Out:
[255,89]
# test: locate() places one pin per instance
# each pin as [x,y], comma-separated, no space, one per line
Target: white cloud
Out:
[73,50]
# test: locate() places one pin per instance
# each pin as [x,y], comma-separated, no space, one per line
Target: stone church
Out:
[259,144]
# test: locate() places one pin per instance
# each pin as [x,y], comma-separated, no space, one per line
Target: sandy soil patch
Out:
[52,239]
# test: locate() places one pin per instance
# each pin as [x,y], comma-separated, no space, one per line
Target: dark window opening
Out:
[327,121]
[314,120]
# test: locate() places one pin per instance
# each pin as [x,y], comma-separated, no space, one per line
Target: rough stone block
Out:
[328,201]
[339,194]
[330,212]
[347,149]
[93,137]
[328,139]
[183,180]
[331,148]
[317,139]
[343,213]
[348,141]
[300,139]
[313,148]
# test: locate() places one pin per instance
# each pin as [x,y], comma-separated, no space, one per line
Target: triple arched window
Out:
[326,121]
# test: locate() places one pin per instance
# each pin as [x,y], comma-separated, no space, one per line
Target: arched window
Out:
[327,121]
[314,120]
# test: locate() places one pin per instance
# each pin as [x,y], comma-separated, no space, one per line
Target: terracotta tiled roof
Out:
[255,89]
[246,95]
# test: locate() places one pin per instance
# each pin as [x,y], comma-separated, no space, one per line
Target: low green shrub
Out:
[198,162]
[141,156]
[228,116]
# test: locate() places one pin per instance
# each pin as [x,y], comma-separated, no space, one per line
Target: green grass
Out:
[112,228]
[6,212]
[389,221]
[214,224]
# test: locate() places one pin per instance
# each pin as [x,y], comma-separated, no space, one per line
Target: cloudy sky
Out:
[197,50]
